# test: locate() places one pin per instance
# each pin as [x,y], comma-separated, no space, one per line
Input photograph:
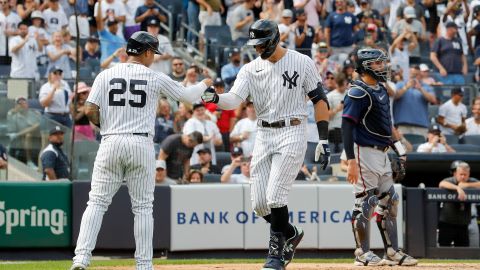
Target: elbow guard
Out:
[318,94]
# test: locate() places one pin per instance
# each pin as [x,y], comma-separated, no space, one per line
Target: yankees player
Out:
[367,135]
[123,102]
[278,82]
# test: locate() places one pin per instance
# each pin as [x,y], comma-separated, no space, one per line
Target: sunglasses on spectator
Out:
[329,78]
[178,64]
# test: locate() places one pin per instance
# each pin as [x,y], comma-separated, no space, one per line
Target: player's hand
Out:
[352,171]
[209,96]
[322,153]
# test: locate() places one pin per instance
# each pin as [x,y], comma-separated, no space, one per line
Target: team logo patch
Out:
[292,81]
[348,20]
[252,35]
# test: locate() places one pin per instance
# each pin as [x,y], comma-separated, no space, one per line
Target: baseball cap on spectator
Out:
[197,105]
[350,3]
[237,151]
[287,13]
[348,63]
[424,67]
[299,11]
[395,67]
[18,99]
[204,150]
[457,91]
[160,164]
[218,82]
[434,129]
[234,51]
[196,137]
[55,69]
[153,22]
[93,38]
[322,47]
[451,24]
[113,22]
[37,14]
[56,130]
[409,12]
[363,1]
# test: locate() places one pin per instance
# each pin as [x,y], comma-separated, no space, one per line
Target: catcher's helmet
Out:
[141,41]
[365,57]
[264,33]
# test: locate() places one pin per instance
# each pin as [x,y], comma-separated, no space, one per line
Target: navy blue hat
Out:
[55,69]
[56,130]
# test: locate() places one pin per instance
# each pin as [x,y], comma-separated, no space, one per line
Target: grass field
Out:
[225,264]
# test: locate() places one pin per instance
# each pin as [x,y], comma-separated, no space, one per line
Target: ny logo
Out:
[252,35]
[292,81]
[456,45]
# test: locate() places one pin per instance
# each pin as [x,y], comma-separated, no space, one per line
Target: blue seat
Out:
[217,37]
[212,178]
[466,148]
[414,138]
[472,139]
[451,139]
[223,158]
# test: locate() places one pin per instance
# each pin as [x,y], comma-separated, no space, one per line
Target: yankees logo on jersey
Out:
[127,95]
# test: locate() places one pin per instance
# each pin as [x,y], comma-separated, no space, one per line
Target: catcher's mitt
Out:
[398,169]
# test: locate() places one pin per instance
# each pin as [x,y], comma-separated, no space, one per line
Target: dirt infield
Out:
[305,266]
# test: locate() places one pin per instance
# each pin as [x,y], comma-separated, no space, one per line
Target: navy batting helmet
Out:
[141,41]
[365,57]
[264,33]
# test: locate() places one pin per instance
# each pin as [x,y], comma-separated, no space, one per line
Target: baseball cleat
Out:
[398,258]
[291,245]
[368,259]
[78,266]
[275,252]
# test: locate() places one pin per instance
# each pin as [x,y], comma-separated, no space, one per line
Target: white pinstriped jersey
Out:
[127,95]
[278,89]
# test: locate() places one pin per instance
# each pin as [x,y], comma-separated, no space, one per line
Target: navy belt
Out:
[280,124]
[141,134]
[378,147]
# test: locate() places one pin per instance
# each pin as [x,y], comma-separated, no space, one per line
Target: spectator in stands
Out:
[91,50]
[229,71]
[271,10]
[161,62]
[237,178]
[473,123]
[477,64]
[11,22]
[305,35]
[82,124]
[205,164]
[210,14]
[23,125]
[178,69]
[312,9]
[110,40]
[191,76]
[148,12]
[55,163]
[119,56]
[452,114]
[410,108]
[245,131]
[335,100]
[236,153]
[83,23]
[322,61]
[193,9]
[436,142]
[161,178]
[366,11]
[25,9]
[209,130]
[181,116]
[454,217]
[410,27]
[195,177]
[163,121]
[473,30]
[225,118]
[38,26]
[55,18]
[349,70]
[339,29]
[425,77]
[176,151]
[23,49]
[401,48]
[458,14]
[130,25]
[310,175]
[447,55]
[240,20]
[329,82]
[59,55]
[286,30]
[3,158]
[54,96]
[111,11]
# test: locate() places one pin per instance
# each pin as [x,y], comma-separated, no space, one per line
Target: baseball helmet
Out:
[141,41]
[365,57]
[264,33]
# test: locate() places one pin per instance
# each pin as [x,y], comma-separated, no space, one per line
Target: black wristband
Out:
[322,127]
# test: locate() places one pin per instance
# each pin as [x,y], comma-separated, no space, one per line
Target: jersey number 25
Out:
[123,89]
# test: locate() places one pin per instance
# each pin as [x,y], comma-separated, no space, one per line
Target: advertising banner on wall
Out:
[35,214]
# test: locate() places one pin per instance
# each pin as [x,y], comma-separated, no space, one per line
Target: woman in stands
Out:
[82,124]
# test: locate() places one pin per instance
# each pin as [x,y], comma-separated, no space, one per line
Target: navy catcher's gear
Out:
[364,59]
[387,210]
[141,41]
[365,204]
[265,34]
[398,169]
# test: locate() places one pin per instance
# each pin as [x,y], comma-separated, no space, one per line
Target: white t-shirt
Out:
[3,37]
[117,8]
[83,26]
[311,12]
[246,125]
[239,179]
[453,114]
[164,47]
[334,99]
[61,99]
[11,22]
[54,20]
[207,128]
[22,64]
[402,59]
[423,148]
[130,9]
[63,62]
[472,127]
[290,41]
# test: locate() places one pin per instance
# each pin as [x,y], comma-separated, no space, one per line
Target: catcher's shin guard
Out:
[387,218]
[365,204]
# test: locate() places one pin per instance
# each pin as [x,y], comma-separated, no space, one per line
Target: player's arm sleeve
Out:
[241,86]
[312,77]
[176,91]
[347,133]
[95,92]
[229,101]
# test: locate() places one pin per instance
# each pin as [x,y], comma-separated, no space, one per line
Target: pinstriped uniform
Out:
[278,91]
[127,95]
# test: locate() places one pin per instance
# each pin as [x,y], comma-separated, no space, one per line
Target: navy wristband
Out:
[322,127]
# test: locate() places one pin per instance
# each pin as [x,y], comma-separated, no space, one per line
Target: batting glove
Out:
[209,96]
[322,154]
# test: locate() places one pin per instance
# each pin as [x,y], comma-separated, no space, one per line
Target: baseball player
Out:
[278,82]
[367,136]
[123,102]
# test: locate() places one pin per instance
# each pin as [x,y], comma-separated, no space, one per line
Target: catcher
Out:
[367,136]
